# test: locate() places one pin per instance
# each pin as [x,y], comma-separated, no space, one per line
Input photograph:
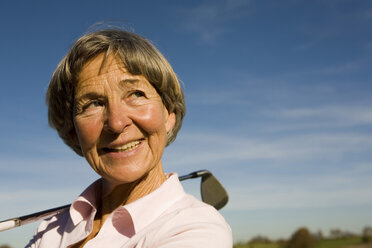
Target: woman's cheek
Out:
[152,119]
[88,131]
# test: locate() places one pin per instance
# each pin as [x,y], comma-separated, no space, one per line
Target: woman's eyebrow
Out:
[88,95]
[127,81]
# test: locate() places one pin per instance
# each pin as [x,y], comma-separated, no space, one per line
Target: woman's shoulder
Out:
[49,230]
[192,223]
[191,209]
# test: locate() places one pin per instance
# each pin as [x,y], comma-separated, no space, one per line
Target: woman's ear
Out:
[170,122]
[75,144]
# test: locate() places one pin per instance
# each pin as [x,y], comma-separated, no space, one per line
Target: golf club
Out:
[211,190]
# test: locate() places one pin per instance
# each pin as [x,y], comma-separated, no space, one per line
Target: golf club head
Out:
[212,191]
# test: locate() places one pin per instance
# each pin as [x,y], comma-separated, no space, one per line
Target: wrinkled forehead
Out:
[101,65]
[101,72]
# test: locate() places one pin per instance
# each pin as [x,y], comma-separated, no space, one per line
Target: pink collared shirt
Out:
[165,218]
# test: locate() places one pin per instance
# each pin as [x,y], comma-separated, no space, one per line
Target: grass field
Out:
[339,243]
[257,245]
[327,243]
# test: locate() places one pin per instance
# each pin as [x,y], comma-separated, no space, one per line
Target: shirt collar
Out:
[148,208]
[142,211]
[86,204]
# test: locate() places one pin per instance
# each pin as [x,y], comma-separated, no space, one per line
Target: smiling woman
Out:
[115,100]
[120,121]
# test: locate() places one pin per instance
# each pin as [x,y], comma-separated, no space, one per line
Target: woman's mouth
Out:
[123,148]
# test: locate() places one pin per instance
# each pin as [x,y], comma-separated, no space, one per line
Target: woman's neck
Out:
[114,196]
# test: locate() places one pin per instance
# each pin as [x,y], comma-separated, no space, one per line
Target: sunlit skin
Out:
[113,109]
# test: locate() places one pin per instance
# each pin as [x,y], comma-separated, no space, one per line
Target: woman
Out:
[115,100]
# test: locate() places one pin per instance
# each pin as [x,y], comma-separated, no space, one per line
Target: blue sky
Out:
[278,96]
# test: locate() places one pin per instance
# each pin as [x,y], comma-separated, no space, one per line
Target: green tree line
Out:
[303,238]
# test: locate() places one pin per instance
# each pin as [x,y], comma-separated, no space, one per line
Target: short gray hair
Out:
[139,57]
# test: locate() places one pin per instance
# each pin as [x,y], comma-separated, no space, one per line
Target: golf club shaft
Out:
[22,220]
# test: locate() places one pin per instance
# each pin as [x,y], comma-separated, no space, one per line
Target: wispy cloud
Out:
[211,19]
[32,196]
[331,116]
[305,45]
[346,187]
[346,67]
[216,97]
[301,195]
[216,149]
[365,15]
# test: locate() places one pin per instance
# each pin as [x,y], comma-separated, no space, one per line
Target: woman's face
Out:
[120,121]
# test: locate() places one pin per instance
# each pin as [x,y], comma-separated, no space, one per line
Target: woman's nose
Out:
[117,118]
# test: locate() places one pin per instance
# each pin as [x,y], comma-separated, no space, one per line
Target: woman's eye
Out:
[94,104]
[138,93]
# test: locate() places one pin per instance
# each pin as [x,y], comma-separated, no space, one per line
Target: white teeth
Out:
[128,147]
